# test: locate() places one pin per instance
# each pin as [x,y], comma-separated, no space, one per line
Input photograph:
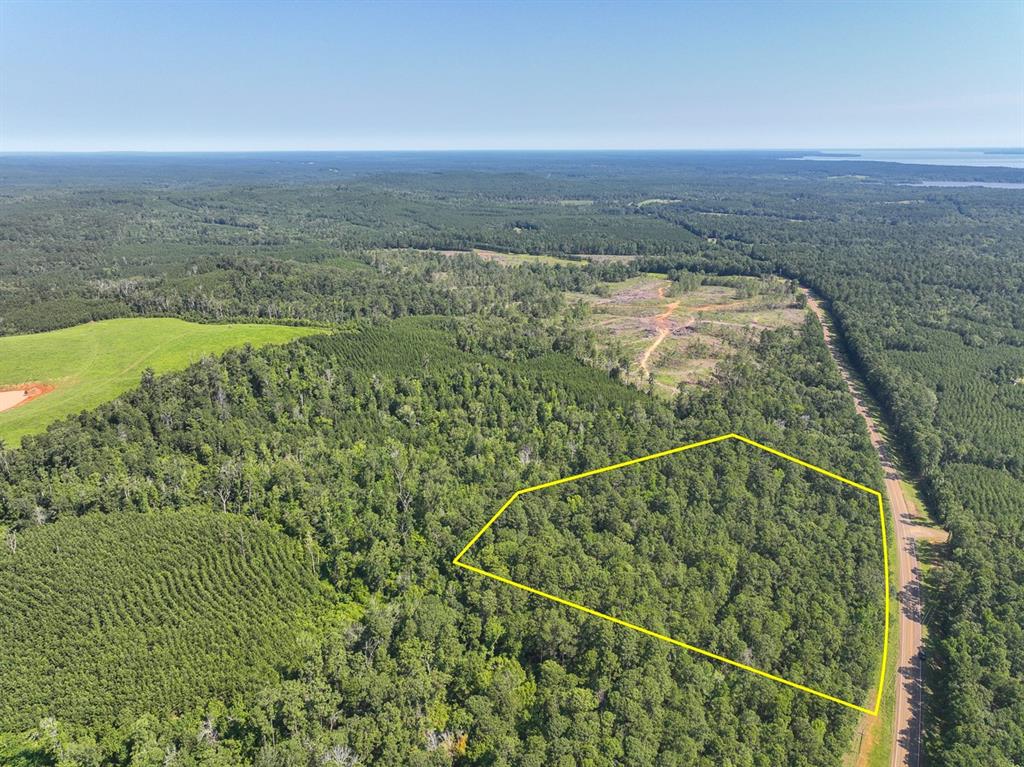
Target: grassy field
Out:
[90,364]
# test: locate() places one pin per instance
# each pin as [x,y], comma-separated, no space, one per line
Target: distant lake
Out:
[989,184]
[975,158]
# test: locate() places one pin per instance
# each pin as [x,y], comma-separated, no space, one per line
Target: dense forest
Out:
[380,449]
[149,597]
[726,551]
[929,296]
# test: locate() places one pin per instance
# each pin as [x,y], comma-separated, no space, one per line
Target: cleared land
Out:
[9,399]
[19,395]
[681,335]
[503,259]
[518,259]
[90,364]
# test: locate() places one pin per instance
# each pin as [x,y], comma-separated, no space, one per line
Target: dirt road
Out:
[661,322]
[909,527]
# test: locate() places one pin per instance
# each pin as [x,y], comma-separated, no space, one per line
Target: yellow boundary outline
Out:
[582,608]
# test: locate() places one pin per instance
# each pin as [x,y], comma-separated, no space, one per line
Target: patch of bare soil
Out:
[12,396]
[646,292]
[664,326]
[605,257]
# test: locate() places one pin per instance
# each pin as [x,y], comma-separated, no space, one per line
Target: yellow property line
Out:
[676,642]
[590,473]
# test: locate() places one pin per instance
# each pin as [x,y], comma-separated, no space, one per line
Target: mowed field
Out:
[90,364]
[680,335]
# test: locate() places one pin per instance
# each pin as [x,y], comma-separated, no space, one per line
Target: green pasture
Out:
[93,363]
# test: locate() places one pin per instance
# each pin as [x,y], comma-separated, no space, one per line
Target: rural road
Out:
[661,322]
[909,527]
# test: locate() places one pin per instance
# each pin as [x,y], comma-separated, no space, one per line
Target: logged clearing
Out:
[47,376]
[664,326]
[503,259]
[679,335]
[518,259]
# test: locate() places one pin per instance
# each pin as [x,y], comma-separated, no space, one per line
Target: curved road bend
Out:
[908,528]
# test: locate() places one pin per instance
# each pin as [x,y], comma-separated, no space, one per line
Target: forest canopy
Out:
[379,450]
[450,380]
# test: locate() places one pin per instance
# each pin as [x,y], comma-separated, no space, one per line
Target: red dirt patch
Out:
[29,392]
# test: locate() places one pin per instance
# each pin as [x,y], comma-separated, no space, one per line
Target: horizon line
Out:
[436,150]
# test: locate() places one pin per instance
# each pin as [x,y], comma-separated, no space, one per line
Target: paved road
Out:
[909,527]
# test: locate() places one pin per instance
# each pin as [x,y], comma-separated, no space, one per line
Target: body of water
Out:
[976,158]
[989,184]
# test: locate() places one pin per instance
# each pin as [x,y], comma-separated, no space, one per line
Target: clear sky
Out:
[250,76]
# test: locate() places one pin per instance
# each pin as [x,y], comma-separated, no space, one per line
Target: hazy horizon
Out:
[539,149]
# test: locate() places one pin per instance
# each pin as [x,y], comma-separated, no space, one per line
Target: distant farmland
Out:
[90,364]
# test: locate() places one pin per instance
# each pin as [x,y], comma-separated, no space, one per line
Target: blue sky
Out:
[248,76]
